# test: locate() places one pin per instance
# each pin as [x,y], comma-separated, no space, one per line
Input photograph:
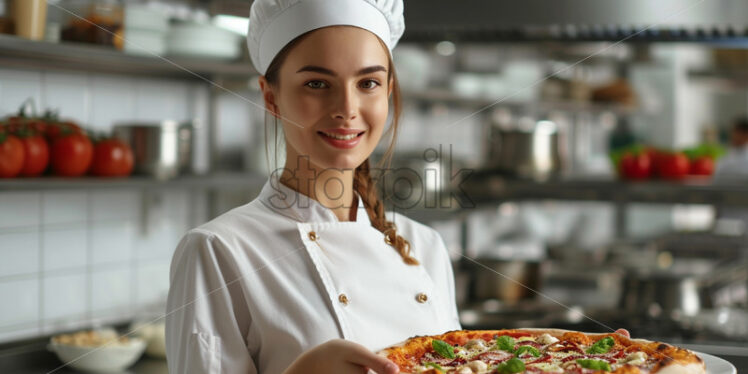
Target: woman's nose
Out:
[346,106]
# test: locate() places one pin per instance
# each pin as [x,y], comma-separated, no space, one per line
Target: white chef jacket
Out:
[257,286]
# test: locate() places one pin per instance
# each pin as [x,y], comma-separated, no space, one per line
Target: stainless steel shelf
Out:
[735,78]
[493,189]
[444,96]
[211,181]
[22,53]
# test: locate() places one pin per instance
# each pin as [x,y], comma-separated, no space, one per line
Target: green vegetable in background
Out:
[602,346]
[514,365]
[713,151]
[594,364]
[443,348]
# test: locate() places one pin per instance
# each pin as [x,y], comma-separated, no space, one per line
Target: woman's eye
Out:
[370,84]
[316,84]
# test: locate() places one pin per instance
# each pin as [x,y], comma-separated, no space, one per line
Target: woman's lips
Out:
[341,141]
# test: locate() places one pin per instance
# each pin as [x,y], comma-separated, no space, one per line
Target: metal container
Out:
[661,294]
[505,280]
[524,148]
[161,149]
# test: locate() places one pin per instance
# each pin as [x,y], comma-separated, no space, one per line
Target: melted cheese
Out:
[548,367]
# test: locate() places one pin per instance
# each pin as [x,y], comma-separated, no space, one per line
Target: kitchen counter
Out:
[33,358]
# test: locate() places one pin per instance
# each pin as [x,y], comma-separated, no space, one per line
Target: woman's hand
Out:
[341,356]
[624,332]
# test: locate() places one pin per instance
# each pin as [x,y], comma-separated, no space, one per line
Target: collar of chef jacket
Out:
[297,206]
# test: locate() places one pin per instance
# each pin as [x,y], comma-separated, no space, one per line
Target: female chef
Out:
[311,276]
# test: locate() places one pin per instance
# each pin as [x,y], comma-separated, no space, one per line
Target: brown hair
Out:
[363,182]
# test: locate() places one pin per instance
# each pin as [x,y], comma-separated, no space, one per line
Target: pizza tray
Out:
[716,365]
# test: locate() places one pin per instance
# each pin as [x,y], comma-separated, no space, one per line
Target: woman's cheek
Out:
[378,113]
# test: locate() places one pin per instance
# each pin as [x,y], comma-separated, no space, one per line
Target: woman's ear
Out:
[269,96]
[390,87]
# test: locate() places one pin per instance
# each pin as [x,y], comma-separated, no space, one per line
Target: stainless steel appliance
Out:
[524,147]
[506,280]
[161,149]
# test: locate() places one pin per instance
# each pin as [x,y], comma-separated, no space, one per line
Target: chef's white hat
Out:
[274,23]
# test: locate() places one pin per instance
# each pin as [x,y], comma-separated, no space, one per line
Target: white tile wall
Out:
[84,258]
[113,100]
[112,243]
[23,310]
[68,92]
[63,207]
[111,289]
[155,101]
[65,248]
[64,298]
[113,205]
[16,86]
[158,243]
[21,209]
[19,253]
[153,279]
[73,259]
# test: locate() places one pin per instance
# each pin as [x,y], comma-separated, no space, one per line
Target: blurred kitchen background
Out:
[539,102]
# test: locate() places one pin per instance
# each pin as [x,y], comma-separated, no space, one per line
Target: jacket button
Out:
[312,236]
[422,298]
[343,299]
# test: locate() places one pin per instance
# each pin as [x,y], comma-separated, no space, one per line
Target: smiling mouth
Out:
[341,137]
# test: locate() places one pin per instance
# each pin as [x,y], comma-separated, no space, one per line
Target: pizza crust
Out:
[672,368]
[683,369]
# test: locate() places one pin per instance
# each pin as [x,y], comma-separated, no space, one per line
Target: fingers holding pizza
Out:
[341,356]
[624,332]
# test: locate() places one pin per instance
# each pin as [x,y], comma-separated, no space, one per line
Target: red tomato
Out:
[11,156]
[53,130]
[13,124]
[37,155]
[636,166]
[702,166]
[71,155]
[674,166]
[112,158]
[38,126]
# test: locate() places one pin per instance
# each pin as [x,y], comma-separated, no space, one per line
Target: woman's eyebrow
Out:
[321,70]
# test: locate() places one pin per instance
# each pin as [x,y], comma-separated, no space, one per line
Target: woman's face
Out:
[332,97]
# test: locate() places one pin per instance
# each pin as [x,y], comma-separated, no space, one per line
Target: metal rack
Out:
[444,96]
[21,53]
[201,182]
[489,189]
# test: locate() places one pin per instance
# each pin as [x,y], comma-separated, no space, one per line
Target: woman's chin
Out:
[344,162]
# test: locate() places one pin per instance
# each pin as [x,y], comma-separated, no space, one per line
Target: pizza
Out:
[539,351]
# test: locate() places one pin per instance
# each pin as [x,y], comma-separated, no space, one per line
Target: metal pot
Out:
[506,280]
[161,149]
[661,294]
[524,148]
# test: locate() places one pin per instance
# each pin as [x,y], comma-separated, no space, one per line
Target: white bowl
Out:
[101,359]
[154,334]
